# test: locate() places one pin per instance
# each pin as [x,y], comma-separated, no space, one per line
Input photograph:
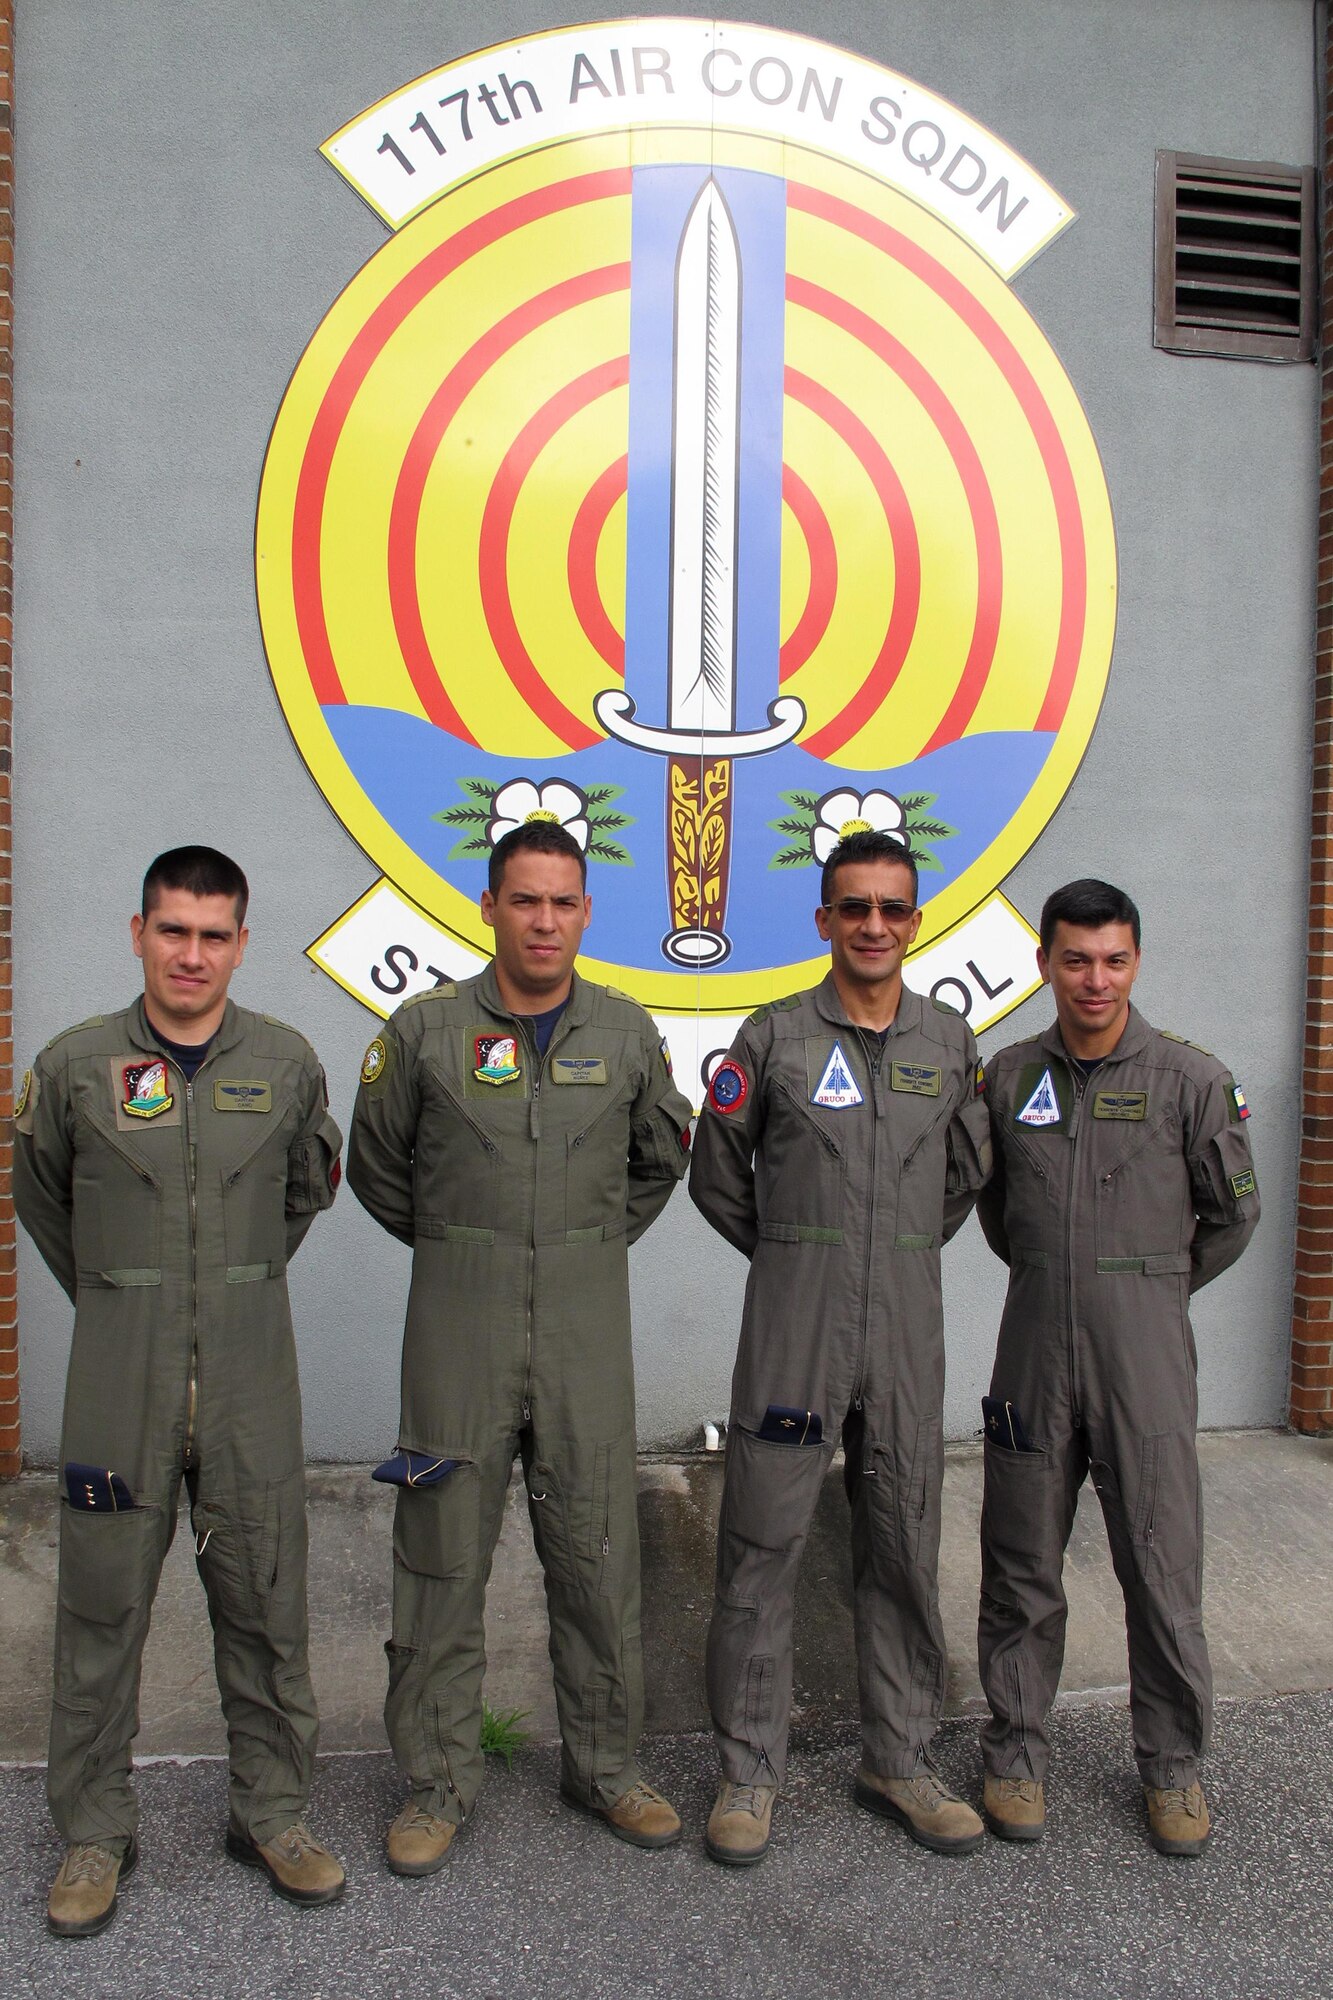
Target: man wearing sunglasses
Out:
[843,1140]
[1123,1182]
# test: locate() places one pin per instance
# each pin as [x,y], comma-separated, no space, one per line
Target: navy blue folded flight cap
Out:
[93,1489]
[414,1468]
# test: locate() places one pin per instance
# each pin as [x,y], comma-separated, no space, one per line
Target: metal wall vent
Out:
[1235,258]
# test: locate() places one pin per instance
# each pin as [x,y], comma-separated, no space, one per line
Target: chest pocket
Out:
[1142,1194]
[804,1163]
[253,1175]
[118,1201]
[595,1119]
[459,1150]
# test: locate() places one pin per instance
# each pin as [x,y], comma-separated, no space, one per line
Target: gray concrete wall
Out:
[179,239]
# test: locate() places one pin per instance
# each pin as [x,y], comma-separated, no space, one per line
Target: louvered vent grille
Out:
[1234,258]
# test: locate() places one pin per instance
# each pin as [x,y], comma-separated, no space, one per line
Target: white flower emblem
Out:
[520,801]
[844,813]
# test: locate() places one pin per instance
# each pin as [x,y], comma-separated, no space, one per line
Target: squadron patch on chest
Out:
[1043,1107]
[144,1088]
[242,1095]
[496,1059]
[917,1079]
[837,1089]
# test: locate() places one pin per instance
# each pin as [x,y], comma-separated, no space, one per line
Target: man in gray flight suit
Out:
[843,1140]
[519,1130]
[168,1161]
[1123,1182]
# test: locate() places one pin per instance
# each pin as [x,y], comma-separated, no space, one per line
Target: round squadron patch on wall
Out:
[684,471]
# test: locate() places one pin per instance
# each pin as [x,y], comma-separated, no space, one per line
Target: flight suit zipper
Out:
[859,1389]
[1079,1082]
[192,1388]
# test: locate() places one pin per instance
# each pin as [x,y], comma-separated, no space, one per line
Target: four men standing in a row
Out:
[519,1131]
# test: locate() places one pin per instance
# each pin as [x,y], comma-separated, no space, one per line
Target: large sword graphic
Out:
[701,737]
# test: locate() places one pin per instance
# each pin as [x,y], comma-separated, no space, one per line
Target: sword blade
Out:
[701,656]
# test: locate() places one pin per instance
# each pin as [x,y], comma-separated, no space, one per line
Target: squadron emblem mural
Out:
[685,471]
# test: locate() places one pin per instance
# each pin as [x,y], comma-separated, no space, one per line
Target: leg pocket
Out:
[770,1491]
[109,1563]
[435,1528]
[1018,1525]
[1167,1516]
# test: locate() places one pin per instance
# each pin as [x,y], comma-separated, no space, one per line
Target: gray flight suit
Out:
[170,1227]
[519,1198]
[841,1208]
[1109,1214]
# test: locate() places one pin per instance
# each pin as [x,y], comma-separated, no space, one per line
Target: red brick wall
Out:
[1312,1305]
[9,1358]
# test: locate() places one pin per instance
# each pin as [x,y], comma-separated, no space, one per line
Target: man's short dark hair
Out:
[869,846]
[535,836]
[199,871]
[1089,905]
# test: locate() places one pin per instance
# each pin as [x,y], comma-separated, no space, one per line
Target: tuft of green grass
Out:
[500,1734]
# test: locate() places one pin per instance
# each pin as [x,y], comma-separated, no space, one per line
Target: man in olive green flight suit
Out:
[519,1131]
[843,1140]
[1123,1182]
[169,1159]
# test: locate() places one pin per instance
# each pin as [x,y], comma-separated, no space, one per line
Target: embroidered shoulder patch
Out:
[837,1089]
[21,1101]
[729,1087]
[375,1062]
[1238,1099]
[1043,1107]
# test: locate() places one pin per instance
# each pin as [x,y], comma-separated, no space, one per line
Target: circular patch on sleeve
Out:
[729,1087]
[374,1060]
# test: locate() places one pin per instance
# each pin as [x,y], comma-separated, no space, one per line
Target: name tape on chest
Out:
[917,1079]
[242,1095]
[837,1089]
[1043,1106]
[578,1069]
[1120,1104]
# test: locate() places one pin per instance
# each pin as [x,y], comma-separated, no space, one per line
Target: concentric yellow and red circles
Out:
[442,516]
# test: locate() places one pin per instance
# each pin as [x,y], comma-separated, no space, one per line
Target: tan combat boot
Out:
[83,1896]
[418,1841]
[923,1803]
[1015,1808]
[641,1816]
[300,1870]
[738,1826]
[1177,1818]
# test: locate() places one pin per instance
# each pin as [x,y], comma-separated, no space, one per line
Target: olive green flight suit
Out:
[841,1207]
[171,1233]
[519,1199]
[1109,1213]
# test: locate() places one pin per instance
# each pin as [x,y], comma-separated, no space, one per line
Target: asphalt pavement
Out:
[539,1901]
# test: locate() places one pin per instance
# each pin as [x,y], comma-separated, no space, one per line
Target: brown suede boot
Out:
[1015,1808]
[83,1896]
[300,1870]
[1178,1820]
[923,1803]
[738,1826]
[641,1816]
[418,1841]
